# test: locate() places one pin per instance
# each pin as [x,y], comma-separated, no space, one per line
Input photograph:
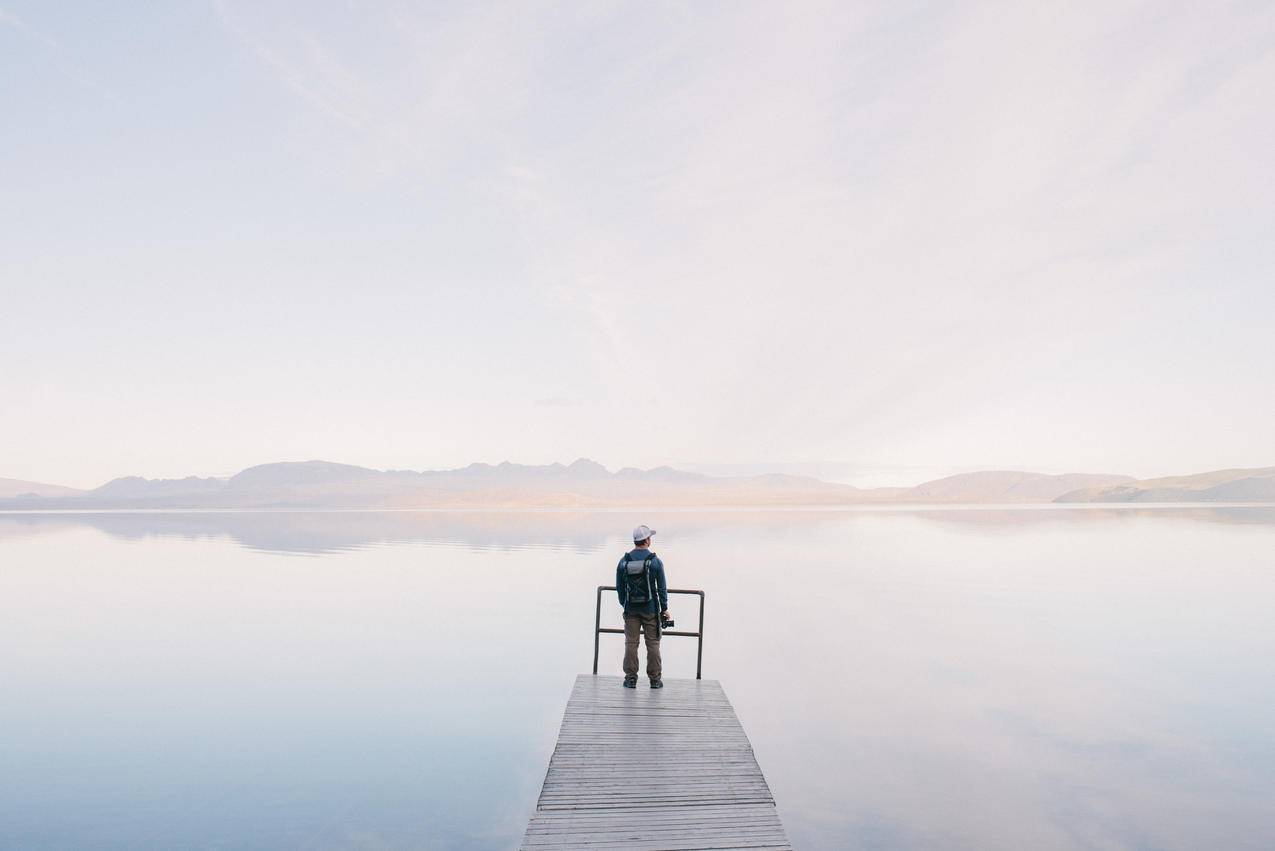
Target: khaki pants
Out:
[641,622]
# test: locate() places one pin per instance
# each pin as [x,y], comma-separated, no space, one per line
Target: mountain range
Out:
[585,483]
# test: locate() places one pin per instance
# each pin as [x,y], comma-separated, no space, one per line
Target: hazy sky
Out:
[1021,235]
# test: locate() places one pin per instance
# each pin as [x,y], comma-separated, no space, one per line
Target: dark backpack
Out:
[637,579]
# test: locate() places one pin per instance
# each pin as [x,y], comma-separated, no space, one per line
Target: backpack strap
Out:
[652,594]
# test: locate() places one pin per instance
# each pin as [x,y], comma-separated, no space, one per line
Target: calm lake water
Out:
[959,679]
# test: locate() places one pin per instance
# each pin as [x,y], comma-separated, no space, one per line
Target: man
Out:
[639,581]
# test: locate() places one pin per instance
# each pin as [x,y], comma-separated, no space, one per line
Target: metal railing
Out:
[598,628]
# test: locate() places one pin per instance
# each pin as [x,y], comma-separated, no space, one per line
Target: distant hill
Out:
[10,488]
[584,484]
[1244,484]
[1010,486]
[289,474]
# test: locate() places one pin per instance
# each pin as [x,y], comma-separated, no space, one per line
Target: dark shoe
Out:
[630,682]
[657,683]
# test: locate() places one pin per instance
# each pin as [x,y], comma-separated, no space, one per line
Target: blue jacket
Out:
[657,589]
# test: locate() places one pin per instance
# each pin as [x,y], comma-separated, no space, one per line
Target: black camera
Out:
[666,622]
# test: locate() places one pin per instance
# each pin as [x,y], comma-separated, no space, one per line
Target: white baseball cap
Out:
[641,533]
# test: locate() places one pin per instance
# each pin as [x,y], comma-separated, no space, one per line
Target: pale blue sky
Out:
[890,235]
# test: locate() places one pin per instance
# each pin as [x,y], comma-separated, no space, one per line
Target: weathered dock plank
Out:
[653,770]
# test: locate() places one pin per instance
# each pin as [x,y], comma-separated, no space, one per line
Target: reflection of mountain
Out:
[316,532]
[320,532]
[1063,515]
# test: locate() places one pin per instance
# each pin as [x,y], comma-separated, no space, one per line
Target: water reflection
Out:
[325,532]
[911,679]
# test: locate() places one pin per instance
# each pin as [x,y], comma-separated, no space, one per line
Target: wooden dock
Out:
[653,769]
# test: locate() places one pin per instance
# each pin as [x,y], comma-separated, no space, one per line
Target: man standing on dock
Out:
[639,581]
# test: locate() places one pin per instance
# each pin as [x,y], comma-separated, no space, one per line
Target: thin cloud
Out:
[7,18]
[59,55]
[293,77]
[824,231]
